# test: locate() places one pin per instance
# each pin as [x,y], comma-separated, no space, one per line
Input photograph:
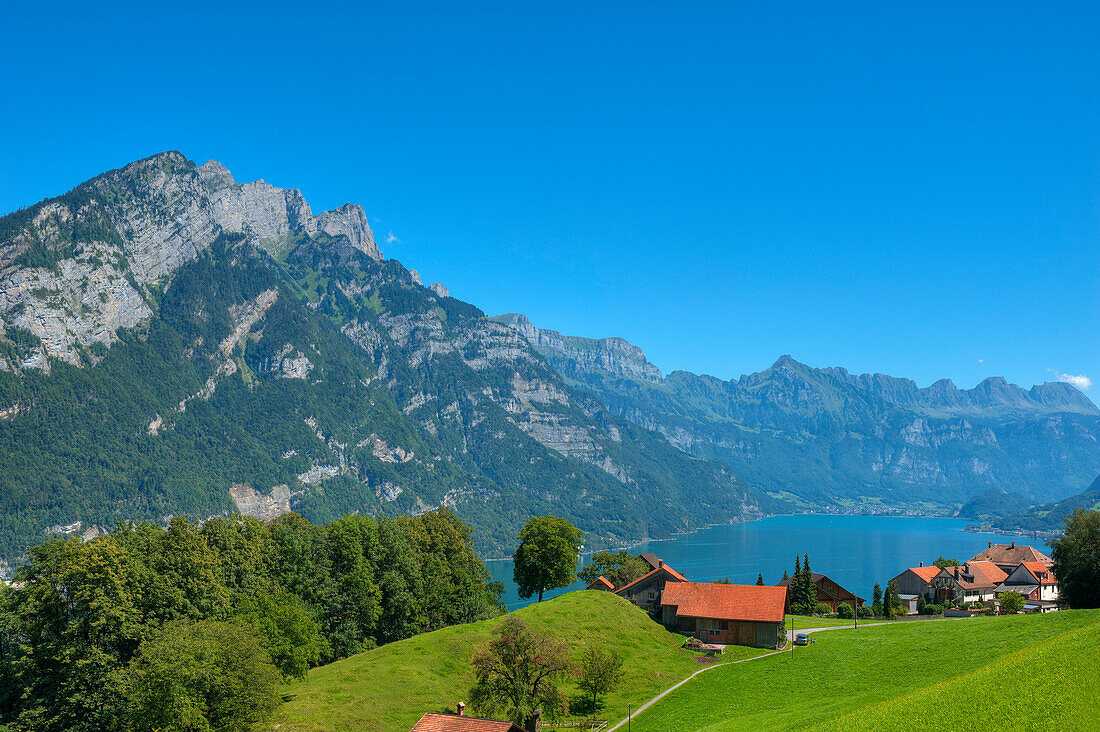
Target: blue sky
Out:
[908,190]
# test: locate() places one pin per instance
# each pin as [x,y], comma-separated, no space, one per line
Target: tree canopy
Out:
[81,612]
[1076,558]
[620,568]
[547,555]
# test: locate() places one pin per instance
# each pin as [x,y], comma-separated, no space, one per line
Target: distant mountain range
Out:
[174,342]
[823,436]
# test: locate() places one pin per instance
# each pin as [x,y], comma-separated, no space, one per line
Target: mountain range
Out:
[825,437]
[173,342]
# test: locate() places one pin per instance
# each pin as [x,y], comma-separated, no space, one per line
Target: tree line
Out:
[195,627]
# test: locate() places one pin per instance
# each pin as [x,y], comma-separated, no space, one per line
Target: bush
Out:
[844,611]
[866,612]
[822,609]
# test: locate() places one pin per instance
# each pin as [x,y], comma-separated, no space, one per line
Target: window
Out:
[651,595]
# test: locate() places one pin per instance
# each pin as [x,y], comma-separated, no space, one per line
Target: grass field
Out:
[1015,672]
[389,688]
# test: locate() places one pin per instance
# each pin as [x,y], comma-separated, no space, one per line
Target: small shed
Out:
[646,591]
[601,583]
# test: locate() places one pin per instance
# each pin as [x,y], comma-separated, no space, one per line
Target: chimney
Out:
[922,564]
[534,722]
[990,545]
[1013,544]
[462,709]
[660,563]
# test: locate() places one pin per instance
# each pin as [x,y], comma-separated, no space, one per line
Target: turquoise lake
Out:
[856,551]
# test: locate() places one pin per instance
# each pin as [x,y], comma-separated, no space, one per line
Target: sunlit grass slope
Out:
[389,688]
[1006,670]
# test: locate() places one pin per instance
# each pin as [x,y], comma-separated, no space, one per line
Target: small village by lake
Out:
[855,551]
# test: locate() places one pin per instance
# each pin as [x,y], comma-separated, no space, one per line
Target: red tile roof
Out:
[600,583]
[993,573]
[726,602]
[1013,554]
[977,570]
[432,722]
[925,573]
[1037,569]
[676,576]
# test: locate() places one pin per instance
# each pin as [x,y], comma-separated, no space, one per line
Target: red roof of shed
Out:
[432,722]
[726,602]
[663,568]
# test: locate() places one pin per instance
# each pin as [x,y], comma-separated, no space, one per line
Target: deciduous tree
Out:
[1077,560]
[620,568]
[517,671]
[547,555]
[601,671]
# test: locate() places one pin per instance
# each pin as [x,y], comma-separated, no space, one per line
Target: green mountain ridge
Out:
[173,342]
[854,442]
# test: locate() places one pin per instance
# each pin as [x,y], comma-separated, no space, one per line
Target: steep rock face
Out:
[174,342]
[76,269]
[859,441]
[614,356]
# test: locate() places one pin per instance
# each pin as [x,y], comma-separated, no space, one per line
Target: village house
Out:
[433,722]
[915,583]
[829,592]
[1037,583]
[971,582]
[747,615]
[1010,556]
[646,591]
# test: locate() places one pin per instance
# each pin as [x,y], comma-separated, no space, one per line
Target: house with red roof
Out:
[915,583]
[747,615]
[1036,582]
[646,591]
[970,582]
[1010,556]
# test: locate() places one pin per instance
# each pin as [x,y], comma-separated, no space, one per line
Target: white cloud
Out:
[391,239]
[1081,381]
[981,360]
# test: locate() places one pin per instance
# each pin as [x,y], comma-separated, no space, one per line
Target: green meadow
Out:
[1013,672]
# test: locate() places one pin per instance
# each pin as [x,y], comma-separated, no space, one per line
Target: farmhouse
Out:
[971,582]
[1036,582]
[1010,556]
[747,615]
[646,591]
[829,592]
[914,583]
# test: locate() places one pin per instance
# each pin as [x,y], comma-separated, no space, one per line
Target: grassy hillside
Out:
[1005,669]
[389,688]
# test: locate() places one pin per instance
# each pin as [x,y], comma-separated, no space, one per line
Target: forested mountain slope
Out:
[172,342]
[830,437]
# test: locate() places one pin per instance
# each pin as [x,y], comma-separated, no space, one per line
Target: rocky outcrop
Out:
[102,247]
[250,502]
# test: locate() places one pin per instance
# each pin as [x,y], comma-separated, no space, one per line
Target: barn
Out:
[744,615]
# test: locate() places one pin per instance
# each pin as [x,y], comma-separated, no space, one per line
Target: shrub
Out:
[844,611]
[822,609]
[866,612]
